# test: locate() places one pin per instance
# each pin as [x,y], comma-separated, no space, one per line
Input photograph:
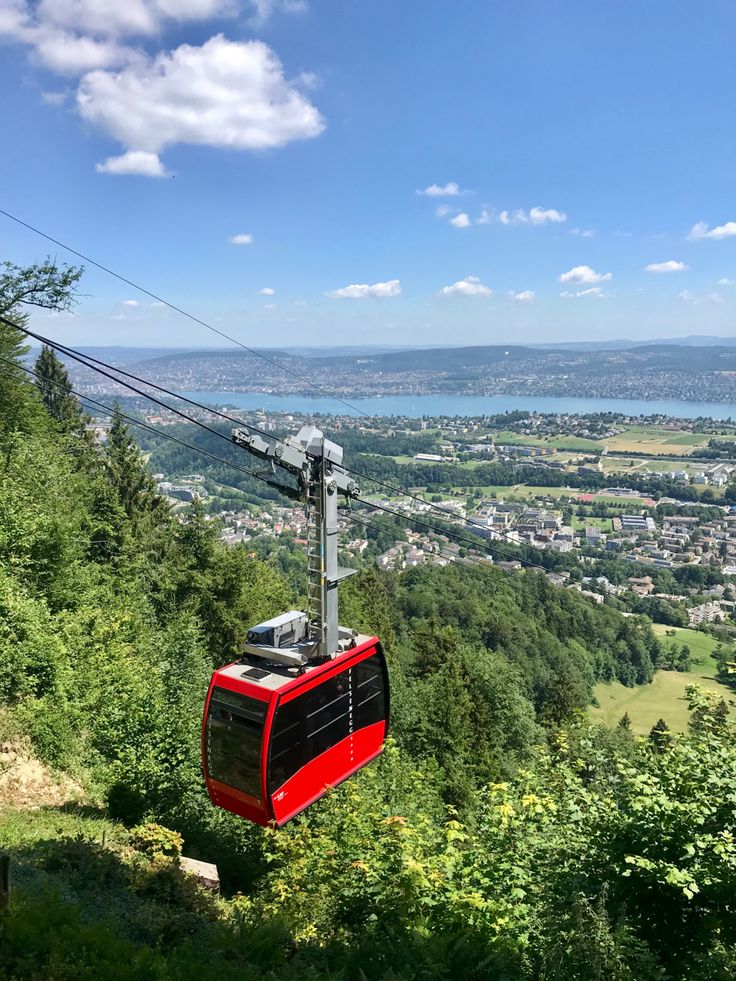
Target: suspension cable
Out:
[184,313]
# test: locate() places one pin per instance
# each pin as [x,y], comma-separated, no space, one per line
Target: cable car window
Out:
[288,744]
[234,733]
[313,722]
[369,697]
[329,713]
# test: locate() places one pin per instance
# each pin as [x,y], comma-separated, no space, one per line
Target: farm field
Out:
[526,491]
[573,443]
[665,697]
[653,441]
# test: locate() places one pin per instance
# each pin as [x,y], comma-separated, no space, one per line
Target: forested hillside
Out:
[500,835]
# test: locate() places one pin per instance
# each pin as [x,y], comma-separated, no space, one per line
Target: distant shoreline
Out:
[417,406]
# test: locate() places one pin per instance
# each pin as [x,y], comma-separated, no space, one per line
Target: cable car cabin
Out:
[276,737]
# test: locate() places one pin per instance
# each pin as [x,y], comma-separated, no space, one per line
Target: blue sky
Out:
[567,147]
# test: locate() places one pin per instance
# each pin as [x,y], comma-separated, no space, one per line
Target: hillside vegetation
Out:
[499,836]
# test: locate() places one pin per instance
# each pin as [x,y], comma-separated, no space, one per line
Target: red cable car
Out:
[307,705]
[274,739]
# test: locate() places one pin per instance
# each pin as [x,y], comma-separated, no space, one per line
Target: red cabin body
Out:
[274,741]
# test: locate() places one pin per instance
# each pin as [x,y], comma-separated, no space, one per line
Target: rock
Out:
[204,872]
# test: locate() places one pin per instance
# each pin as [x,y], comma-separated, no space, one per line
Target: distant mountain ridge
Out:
[346,352]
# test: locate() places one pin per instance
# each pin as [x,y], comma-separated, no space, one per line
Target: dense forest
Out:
[500,835]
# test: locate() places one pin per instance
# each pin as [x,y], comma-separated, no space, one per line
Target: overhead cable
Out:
[88,402]
[180,310]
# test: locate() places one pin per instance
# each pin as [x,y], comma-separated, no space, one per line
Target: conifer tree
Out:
[126,470]
[660,736]
[624,722]
[53,382]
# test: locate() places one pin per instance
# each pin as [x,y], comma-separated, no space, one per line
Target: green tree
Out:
[660,736]
[44,285]
[53,382]
[127,472]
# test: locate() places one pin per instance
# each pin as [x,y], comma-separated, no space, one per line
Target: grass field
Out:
[562,442]
[653,441]
[525,491]
[605,524]
[665,697]
[701,645]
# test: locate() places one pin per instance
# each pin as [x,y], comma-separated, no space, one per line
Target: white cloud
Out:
[224,94]
[131,303]
[525,296]
[265,9]
[698,298]
[443,210]
[460,221]
[726,282]
[54,98]
[485,217]
[584,274]
[70,54]
[133,18]
[75,36]
[242,238]
[361,291]
[267,291]
[583,232]
[534,216]
[701,230]
[540,216]
[133,162]
[593,291]
[470,286]
[449,190]
[672,265]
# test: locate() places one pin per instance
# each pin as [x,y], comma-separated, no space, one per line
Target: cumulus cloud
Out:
[460,221]
[362,291]
[534,216]
[242,238]
[74,36]
[70,54]
[131,303]
[583,232]
[485,217]
[224,94]
[267,291]
[449,190]
[671,265]
[584,274]
[443,210]
[470,286]
[701,230]
[726,282]
[525,296]
[133,18]
[133,162]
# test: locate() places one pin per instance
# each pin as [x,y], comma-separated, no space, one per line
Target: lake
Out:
[416,406]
